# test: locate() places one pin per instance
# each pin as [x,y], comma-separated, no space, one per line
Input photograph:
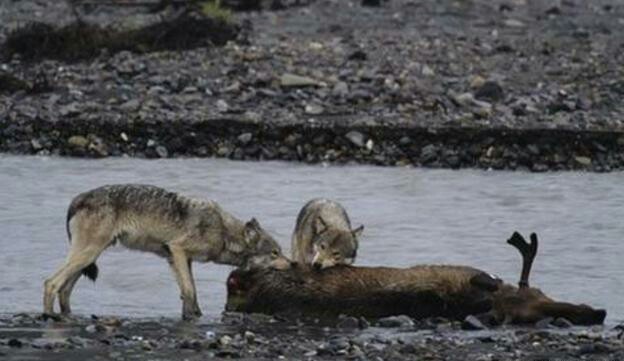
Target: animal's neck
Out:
[233,258]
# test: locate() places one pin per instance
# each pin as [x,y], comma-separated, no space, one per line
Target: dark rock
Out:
[14,342]
[428,154]
[10,84]
[358,55]
[364,324]
[490,91]
[348,323]
[371,2]
[553,10]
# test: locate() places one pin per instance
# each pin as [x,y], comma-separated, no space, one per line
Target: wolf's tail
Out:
[91,271]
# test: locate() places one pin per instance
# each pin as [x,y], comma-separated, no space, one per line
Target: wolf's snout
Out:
[317,266]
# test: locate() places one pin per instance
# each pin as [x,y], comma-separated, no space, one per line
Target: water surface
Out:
[411,216]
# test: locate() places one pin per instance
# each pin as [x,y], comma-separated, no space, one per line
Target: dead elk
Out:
[420,291]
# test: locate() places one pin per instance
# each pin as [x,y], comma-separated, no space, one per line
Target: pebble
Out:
[162,151]
[356,138]
[222,106]
[348,323]
[78,141]
[472,323]
[584,161]
[340,89]
[401,321]
[293,80]
[314,109]
[245,138]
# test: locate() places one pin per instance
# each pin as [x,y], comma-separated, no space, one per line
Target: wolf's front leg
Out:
[196,309]
[180,264]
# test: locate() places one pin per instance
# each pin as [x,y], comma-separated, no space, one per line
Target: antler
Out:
[528,252]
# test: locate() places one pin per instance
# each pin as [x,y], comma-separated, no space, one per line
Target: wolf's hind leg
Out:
[65,293]
[74,265]
[83,252]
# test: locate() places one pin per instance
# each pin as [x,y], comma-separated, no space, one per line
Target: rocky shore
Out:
[505,84]
[249,337]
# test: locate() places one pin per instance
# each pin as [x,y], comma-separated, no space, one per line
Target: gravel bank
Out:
[488,84]
[261,337]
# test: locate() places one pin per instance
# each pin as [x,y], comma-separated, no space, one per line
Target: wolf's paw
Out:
[190,315]
[51,316]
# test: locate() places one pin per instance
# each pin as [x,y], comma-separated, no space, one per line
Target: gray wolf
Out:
[152,219]
[323,236]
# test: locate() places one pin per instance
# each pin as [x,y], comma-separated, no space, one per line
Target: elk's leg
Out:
[528,252]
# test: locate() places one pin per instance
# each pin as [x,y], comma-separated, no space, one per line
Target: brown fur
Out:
[420,291]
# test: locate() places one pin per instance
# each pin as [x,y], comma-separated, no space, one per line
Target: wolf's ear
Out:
[358,231]
[319,225]
[252,231]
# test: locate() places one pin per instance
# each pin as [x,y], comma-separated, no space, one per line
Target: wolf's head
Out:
[263,250]
[334,246]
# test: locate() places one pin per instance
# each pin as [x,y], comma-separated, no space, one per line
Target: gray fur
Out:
[152,219]
[323,235]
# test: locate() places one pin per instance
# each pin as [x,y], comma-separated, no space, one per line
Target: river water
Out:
[412,216]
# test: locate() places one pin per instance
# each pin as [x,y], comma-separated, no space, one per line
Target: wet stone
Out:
[161,151]
[395,321]
[562,322]
[293,80]
[348,322]
[544,323]
[428,153]
[490,91]
[78,141]
[341,89]
[356,138]
[314,109]
[245,138]
[14,342]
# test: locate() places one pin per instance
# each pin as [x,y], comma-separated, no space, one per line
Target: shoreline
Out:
[255,336]
[534,150]
[530,86]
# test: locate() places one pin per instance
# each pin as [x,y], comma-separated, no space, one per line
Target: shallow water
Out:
[411,216]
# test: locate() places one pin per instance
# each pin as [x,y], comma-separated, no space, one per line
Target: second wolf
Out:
[152,219]
[323,236]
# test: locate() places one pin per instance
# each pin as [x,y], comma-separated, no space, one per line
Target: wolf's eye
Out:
[336,254]
[275,253]
[322,246]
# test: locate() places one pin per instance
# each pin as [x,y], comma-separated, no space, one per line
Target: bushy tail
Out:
[91,271]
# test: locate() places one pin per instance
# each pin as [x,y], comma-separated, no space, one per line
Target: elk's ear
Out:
[320,226]
[358,231]
[252,231]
